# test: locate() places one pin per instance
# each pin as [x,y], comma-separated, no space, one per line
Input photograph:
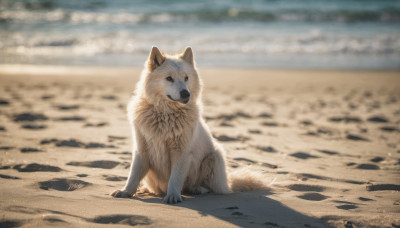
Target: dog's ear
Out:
[188,55]
[155,59]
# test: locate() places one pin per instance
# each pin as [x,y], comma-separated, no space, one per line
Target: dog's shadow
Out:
[244,209]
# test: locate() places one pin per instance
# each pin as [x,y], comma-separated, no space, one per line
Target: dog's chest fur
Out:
[167,132]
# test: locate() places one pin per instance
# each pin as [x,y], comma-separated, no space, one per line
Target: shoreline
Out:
[28,69]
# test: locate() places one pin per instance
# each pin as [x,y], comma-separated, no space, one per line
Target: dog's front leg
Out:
[138,169]
[177,178]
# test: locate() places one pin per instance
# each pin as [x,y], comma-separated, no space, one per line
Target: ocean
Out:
[285,34]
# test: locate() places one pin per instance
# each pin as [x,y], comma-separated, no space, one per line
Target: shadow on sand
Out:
[245,209]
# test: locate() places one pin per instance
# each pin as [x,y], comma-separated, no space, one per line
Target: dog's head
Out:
[171,78]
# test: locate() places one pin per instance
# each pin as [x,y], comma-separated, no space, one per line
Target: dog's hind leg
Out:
[218,181]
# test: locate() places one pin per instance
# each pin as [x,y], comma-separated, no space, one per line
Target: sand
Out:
[326,142]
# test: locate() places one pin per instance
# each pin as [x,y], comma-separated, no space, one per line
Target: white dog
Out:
[174,150]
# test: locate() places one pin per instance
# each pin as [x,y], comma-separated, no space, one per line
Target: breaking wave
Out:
[225,15]
[312,43]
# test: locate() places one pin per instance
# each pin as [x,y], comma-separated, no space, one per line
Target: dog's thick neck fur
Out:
[157,110]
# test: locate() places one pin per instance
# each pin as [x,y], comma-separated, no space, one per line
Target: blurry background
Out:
[311,34]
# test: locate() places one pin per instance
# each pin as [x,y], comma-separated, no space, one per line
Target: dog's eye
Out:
[170,79]
[186,78]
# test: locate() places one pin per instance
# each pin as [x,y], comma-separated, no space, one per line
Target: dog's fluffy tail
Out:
[245,179]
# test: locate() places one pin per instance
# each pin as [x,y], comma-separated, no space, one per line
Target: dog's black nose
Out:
[185,94]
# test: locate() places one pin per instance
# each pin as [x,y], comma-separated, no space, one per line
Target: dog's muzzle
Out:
[184,96]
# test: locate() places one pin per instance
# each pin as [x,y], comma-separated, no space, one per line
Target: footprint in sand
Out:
[345,119]
[344,202]
[69,143]
[122,153]
[306,123]
[62,184]
[265,115]
[9,177]
[27,116]
[114,178]
[6,148]
[47,97]
[34,126]
[101,124]
[245,160]
[112,138]
[383,187]
[98,145]
[311,133]
[327,131]
[4,102]
[131,220]
[268,149]
[313,196]
[67,107]
[270,124]
[347,207]
[226,124]
[255,131]
[54,220]
[103,164]
[225,138]
[368,166]
[303,155]
[377,159]
[328,152]
[356,137]
[75,143]
[29,150]
[5,167]
[365,199]
[378,119]
[109,97]
[229,117]
[11,223]
[313,176]
[47,141]
[35,167]
[306,188]
[390,129]
[71,118]
[242,114]
[271,166]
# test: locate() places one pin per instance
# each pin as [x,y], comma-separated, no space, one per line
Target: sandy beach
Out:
[326,142]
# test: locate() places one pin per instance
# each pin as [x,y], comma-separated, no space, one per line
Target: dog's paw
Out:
[121,194]
[172,198]
[200,190]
